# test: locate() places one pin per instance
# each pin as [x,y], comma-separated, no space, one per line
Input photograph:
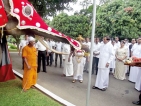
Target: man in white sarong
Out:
[133,42]
[138,80]
[78,66]
[135,51]
[112,64]
[105,57]
[68,66]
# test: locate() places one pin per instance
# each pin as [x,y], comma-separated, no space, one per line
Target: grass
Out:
[11,95]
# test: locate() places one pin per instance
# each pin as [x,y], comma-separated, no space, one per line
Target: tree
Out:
[14,39]
[50,7]
[119,18]
[85,4]
[71,25]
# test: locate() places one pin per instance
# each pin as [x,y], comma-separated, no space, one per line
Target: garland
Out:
[78,58]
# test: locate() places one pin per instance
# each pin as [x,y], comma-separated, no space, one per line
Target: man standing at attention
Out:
[29,55]
[23,43]
[42,53]
[105,57]
[58,47]
[96,53]
[50,53]
[117,43]
[130,47]
[88,44]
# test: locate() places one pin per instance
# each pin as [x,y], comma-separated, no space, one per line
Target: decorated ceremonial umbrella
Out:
[28,21]
[6,72]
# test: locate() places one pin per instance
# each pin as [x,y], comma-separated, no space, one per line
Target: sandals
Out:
[79,81]
[73,81]
[33,87]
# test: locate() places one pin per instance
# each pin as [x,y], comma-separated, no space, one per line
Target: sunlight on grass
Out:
[11,95]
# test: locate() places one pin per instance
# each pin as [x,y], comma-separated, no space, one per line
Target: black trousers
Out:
[95,64]
[50,59]
[56,57]
[41,56]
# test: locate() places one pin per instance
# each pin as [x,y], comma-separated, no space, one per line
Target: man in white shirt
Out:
[53,44]
[58,47]
[135,51]
[130,47]
[50,53]
[22,44]
[105,57]
[68,65]
[96,52]
[112,64]
[42,53]
[87,43]
[128,54]
[117,43]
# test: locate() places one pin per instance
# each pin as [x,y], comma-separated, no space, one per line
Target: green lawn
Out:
[11,95]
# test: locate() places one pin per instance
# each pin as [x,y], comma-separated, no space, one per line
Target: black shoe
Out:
[94,87]
[84,71]
[45,71]
[104,89]
[136,102]
[55,65]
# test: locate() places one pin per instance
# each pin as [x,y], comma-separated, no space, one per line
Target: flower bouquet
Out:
[133,61]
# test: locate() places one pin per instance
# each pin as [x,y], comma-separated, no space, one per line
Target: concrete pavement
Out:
[119,93]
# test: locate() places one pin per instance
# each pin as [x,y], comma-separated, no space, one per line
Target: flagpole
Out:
[91,53]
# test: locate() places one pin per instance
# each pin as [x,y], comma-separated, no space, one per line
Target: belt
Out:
[41,51]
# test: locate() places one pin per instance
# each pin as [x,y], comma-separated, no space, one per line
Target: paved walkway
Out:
[119,93]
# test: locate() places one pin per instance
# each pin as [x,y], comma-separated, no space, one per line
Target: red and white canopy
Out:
[29,19]
[3,16]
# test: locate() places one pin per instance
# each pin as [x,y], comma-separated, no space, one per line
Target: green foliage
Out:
[47,21]
[71,25]
[13,47]
[114,18]
[119,18]
[50,7]
[11,39]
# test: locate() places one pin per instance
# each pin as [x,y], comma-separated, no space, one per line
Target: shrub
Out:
[13,47]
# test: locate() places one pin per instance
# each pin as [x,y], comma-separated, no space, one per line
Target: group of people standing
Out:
[116,54]
[108,55]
